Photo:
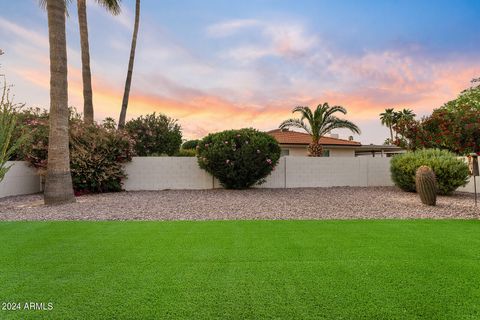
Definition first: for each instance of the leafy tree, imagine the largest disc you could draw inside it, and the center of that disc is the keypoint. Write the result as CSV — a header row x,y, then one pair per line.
x,y
155,135
318,123
455,126
190,144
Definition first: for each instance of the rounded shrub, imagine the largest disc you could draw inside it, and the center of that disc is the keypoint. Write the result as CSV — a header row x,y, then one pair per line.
x,y
239,159
155,135
451,172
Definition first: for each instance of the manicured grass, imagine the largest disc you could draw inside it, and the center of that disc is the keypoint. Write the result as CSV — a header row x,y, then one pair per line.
x,y
386,269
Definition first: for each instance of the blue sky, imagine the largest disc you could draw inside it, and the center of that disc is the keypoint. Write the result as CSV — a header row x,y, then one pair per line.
x,y
228,64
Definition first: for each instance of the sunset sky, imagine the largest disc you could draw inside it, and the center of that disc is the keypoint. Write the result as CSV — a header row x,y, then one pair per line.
x,y
221,64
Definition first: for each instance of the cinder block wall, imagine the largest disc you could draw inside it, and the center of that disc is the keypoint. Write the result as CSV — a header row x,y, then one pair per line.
x,y
158,173
20,179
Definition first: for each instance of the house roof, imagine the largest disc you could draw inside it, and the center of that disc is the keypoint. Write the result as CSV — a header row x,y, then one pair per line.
x,y
300,138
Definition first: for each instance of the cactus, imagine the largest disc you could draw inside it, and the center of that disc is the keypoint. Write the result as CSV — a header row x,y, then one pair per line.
x,y
426,185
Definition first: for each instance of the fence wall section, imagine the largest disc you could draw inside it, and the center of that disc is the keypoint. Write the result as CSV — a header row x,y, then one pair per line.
x,y
19,180
183,173
158,173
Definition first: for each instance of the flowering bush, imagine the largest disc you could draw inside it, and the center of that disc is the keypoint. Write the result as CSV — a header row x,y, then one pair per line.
x,y
239,159
155,135
450,171
97,152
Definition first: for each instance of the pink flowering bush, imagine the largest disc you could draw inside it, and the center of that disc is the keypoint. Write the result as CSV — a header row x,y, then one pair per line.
x,y
97,152
155,135
239,159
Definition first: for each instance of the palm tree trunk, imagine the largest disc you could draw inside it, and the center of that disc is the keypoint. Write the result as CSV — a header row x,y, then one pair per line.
x,y
58,187
128,82
86,73
391,134
315,149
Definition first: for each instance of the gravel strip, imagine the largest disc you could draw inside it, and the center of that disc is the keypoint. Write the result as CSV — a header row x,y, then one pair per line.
x,y
252,204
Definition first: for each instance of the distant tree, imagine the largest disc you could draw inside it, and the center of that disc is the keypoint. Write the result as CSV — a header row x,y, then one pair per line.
x,y
388,119
319,123
190,144
155,135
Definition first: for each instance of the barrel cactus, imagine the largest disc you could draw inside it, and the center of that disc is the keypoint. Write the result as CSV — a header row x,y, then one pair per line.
x,y
426,185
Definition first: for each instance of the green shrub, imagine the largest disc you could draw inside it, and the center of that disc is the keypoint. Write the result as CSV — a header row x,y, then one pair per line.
x,y
190,144
155,135
97,152
10,141
450,171
186,153
238,158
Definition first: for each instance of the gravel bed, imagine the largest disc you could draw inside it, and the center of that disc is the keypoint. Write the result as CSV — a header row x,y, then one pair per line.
x,y
220,204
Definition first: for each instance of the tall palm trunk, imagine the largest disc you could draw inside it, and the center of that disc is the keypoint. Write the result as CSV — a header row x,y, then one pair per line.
x,y
128,82
391,133
58,188
86,73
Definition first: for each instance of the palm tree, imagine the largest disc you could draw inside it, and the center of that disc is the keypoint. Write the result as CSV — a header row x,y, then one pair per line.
x,y
319,123
113,7
388,119
405,114
128,81
58,187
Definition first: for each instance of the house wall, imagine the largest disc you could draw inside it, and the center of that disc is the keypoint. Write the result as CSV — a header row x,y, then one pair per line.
x,y
19,180
341,152
302,151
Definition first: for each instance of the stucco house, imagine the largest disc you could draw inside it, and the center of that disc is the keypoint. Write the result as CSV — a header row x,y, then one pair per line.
x,y
294,143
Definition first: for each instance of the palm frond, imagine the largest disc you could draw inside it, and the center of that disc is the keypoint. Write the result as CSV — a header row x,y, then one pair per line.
x,y
112,6
336,123
295,123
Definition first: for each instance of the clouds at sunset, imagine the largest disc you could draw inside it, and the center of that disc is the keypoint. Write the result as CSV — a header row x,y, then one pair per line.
x,y
236,71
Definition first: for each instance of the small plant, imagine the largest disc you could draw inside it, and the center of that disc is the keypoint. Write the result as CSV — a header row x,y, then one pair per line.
x,y
426,185
9,142
239,159
155,135
450,171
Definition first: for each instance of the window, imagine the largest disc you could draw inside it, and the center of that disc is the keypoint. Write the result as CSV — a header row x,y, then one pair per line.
x,y
326,153
284,152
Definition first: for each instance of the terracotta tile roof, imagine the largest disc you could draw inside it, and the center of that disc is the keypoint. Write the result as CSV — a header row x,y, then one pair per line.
x,y
294,137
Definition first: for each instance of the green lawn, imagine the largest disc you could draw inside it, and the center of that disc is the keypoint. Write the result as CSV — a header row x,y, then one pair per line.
x,y
386,269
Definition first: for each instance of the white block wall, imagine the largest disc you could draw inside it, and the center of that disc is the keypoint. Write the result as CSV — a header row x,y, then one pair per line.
x,y
20,179
470,186
159,173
